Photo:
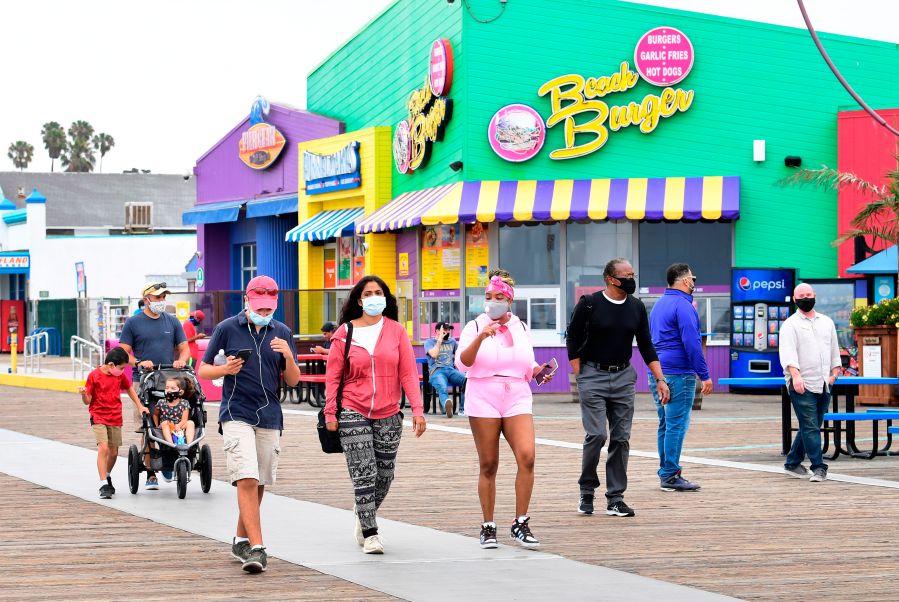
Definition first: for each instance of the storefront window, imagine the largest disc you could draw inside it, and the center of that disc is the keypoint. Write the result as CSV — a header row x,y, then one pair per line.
x,y
590,247
247,264
432,311
706,247
530,252
714,316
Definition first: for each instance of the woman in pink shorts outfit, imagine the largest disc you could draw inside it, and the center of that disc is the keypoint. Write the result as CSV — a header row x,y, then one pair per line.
x,y
495,350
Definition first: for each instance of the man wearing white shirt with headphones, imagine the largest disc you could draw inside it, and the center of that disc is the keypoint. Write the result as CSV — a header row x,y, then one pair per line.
x,y
259,348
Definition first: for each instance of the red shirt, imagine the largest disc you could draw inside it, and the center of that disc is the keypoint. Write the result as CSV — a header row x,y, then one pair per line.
x,y
106,402
191,331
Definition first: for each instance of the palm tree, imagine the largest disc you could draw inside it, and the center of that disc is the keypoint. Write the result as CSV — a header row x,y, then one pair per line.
x,y
54,137
80,130
79,156
878,219
103,143
21,153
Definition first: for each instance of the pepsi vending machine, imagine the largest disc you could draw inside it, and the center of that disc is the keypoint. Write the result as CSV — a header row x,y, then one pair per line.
x,y
760,301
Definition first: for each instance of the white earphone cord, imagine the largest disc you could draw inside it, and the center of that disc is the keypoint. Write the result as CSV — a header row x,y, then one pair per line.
x,y
261,383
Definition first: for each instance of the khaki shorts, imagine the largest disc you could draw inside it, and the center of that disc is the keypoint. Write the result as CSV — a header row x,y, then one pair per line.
x,y
111,435
251,452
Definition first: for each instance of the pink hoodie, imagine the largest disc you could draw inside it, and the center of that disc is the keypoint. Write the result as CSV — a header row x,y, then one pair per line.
x,y
374,382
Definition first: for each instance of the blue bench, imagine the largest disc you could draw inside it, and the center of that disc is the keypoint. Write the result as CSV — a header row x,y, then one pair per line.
x,y
874,416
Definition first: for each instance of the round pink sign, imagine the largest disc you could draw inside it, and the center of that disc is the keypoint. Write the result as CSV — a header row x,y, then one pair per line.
x,y
516,133
664,56
402,146
440,73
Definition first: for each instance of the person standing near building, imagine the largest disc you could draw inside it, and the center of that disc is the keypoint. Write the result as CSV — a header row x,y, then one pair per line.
x,y
496,350
381,366
250,417
151,338
190,326
810,357
676,336
600,335
442,373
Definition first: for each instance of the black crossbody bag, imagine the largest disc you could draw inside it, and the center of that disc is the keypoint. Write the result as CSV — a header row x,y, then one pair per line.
x,y
330,440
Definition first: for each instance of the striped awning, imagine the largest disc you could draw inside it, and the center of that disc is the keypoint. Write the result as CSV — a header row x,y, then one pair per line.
x,y
654,199
325,225
405,210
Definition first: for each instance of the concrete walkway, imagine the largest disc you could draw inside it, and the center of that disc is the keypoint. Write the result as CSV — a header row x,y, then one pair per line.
x,y
419,564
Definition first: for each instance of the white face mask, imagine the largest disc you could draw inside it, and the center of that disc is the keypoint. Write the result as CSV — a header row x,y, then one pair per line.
x,y
157,307
374,305
496,309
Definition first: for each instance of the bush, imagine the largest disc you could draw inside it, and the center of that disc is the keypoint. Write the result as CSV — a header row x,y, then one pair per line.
x,y
885,313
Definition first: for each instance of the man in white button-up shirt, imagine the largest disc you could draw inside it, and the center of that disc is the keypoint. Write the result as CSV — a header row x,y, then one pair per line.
x,y
810,356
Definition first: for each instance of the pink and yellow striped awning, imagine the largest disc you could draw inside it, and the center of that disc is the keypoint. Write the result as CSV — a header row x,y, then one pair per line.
x,y
654,199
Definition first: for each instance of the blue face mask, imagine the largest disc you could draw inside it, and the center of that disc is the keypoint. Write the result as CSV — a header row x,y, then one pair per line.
x,y
257,319
374,305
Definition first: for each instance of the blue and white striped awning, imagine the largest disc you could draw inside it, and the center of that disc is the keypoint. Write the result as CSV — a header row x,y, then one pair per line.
x,y
325,225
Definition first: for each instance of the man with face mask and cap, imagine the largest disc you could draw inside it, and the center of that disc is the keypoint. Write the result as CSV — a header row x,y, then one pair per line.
x,y
602,329
810,356
250,418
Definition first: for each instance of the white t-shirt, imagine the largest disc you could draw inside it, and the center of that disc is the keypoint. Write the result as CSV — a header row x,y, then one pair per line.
x,y
367,336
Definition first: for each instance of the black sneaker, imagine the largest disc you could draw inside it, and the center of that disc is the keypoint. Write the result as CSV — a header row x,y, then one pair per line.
x,y
521,532
620,509
488,536
240,550
256,560
109,482
586,505
105,492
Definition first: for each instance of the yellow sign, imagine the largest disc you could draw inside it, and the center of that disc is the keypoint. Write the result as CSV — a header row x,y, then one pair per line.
x,y
260,145
404,264
441,258
476,256
182,310
572,96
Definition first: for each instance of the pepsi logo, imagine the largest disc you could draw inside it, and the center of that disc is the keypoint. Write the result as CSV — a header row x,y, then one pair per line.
x,y
744,283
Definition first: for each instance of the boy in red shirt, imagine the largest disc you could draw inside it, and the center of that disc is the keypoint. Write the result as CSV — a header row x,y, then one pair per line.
x,y
102,396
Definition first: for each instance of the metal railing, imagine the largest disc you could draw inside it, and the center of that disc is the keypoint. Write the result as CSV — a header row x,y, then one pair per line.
x,y
36,346
83,354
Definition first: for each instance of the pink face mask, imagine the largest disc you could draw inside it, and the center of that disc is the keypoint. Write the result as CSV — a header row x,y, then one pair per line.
x,y
116,371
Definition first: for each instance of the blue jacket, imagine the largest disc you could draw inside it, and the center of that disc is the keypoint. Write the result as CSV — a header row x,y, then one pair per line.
x,y
674,325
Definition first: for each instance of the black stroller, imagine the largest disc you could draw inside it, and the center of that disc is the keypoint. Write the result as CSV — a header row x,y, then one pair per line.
x,y
164,456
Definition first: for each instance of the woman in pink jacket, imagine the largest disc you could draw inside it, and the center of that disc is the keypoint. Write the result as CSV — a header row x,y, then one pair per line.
x,y
495,349
381,364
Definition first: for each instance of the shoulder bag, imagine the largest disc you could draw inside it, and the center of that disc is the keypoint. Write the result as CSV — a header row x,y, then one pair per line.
x,y
330,440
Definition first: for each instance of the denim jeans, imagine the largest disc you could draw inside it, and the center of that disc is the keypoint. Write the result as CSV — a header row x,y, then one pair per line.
x,y
674,419
443,378
810,409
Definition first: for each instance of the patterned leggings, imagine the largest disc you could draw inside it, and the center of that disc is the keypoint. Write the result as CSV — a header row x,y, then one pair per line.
x,y
370,448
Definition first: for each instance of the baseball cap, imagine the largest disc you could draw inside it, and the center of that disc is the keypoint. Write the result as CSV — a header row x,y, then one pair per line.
x,y
198,315
444,325
154,288
262,293
328,327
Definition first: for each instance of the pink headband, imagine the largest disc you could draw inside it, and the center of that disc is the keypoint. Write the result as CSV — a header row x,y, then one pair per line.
x,y
498,285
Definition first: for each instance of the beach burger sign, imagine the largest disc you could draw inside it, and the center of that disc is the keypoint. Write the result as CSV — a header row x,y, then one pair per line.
x,y
260,145
428,111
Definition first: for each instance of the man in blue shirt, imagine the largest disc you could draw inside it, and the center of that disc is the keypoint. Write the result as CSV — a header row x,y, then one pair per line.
x,y
442,373
674,325
250,418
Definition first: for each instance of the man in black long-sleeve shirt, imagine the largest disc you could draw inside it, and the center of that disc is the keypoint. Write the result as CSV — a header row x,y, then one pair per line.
x,y
600,337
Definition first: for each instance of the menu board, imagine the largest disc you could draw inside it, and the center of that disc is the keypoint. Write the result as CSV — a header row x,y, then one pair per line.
x,y
476,256
441,258
345,261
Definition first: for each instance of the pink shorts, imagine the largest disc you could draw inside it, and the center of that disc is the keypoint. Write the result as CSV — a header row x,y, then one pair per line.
x,y
497,397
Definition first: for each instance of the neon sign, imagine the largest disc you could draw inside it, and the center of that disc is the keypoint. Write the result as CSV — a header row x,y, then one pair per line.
x,y
428,112
663,56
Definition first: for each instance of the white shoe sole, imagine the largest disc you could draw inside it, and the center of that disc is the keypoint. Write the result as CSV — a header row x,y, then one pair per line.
x,y
579,511
613,513
814,479
490,545
524,544
797,475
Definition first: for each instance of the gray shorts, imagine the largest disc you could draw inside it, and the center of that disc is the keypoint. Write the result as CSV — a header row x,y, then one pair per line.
x,y
251,452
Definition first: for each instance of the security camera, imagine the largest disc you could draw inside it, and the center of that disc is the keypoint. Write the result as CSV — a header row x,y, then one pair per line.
x,y
450,1
187,175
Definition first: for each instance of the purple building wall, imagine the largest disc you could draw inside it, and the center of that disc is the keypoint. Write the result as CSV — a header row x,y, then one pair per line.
x,y
222,176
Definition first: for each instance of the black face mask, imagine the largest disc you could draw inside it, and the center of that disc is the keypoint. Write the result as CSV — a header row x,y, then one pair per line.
x,y
628,285
806,304
172,395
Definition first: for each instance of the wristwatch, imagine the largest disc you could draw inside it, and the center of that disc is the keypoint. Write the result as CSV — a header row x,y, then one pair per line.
x,y
662,380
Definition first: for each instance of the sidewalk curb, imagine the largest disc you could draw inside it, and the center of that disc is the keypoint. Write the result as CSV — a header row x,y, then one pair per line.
x,y
46,383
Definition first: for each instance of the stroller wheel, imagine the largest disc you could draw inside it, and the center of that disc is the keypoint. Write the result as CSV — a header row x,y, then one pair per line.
x,y
205,468
133,468
182,474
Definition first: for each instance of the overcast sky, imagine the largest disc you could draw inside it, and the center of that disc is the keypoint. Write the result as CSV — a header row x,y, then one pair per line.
x,y
168,78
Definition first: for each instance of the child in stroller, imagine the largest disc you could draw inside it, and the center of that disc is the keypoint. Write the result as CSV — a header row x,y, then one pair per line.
x,y
172,414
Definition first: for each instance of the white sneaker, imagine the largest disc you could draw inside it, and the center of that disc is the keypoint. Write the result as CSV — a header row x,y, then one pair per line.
x,y
818,476
357,532
373,545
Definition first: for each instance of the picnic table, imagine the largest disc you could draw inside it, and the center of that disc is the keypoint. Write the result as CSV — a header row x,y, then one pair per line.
x,y
846,387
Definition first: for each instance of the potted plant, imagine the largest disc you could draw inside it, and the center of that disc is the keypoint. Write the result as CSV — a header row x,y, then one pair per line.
x,y
875,329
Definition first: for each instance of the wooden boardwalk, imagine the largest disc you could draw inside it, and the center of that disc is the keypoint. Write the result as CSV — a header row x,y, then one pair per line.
x,y
747,534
